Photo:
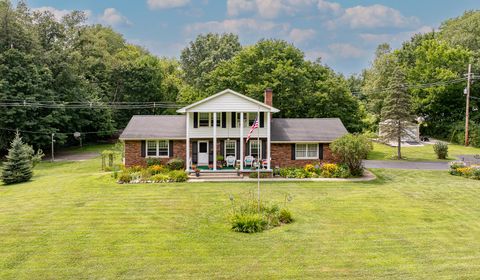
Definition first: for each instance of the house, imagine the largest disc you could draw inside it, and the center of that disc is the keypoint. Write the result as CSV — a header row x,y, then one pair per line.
x,y
410,134
219,125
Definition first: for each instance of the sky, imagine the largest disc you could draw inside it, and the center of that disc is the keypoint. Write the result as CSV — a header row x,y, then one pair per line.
x,y
343,33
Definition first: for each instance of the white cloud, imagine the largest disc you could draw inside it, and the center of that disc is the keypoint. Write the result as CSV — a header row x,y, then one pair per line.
x,y
268,9
374,16
345,50
59,14
301,35
238,26
325,6
235,7
113,17
393,38
166,4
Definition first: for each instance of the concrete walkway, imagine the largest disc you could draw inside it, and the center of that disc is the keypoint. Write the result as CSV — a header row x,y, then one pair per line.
x,y
406,165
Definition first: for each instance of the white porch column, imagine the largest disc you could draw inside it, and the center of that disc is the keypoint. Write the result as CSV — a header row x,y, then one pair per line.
x,y
187,141
268,141
241,141
215,141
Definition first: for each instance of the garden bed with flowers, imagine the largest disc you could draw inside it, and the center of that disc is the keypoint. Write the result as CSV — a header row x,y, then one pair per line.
x,y
460,168
155,172
320,170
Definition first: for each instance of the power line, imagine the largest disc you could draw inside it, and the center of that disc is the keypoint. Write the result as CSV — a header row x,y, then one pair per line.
x,y
61,133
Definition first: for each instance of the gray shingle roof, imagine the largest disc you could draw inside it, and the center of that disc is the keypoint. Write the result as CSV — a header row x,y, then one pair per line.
x,y
283,130
308,129
155,127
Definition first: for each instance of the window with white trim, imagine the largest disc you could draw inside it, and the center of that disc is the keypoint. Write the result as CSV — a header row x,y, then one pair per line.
x,y
251,118
306,151
158,148
255,148
203,119
219,119
230,148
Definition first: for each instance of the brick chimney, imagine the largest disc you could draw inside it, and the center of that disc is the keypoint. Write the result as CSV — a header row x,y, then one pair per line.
x,y
268,97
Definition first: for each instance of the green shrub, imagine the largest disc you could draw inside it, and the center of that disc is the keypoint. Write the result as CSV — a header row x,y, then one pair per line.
x,y
153,161
475,174
342,171
441,149
145,174
454,166
161,178
124,177
352,150
262,175
285,216
248,223
176,164
178,176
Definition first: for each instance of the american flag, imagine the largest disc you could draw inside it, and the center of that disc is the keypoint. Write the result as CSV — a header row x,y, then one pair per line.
x,y
254,126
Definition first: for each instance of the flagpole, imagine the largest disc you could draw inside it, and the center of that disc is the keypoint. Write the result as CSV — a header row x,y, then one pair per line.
x,y
259,157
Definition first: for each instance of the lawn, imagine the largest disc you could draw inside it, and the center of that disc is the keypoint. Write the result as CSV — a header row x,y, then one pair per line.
x,y
422,153
72,221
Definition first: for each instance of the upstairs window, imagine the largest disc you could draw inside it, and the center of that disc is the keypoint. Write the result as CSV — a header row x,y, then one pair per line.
x,y
203,119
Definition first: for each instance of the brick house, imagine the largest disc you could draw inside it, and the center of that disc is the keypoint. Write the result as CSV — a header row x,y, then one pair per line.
x,y
219,126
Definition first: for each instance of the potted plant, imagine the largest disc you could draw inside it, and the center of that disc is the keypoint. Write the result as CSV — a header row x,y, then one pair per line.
x,y
238,170
197,172
219,161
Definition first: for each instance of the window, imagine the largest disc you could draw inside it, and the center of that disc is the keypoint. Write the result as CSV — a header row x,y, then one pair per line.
x,y
219,119
158,148
203,119
306,151
230,148
251,118
255,148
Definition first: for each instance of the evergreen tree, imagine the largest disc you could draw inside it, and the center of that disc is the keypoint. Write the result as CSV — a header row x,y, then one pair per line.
x,y
18,167
396,111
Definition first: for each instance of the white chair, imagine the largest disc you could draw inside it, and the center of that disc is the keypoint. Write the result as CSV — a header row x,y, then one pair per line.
x,y
230,161
249,161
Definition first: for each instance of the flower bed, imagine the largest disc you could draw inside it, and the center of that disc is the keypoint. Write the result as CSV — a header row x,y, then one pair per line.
x,y
459,168
325,170
154,173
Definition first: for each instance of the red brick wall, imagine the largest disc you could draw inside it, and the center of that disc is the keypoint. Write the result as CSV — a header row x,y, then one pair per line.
x,y
133,155
282,156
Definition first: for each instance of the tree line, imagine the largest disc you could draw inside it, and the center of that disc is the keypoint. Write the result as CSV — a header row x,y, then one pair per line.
x,y
49,60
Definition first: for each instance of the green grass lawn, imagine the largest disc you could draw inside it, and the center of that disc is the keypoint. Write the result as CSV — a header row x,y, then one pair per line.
x,y
74,222
423,153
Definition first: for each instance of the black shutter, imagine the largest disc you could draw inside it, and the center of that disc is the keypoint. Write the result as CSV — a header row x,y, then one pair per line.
x,y
264,148
224,119
194,152
143,148
210,152
170,148
238,149
234,119
195,119
222,148
262,119
320,151
247,148
293,151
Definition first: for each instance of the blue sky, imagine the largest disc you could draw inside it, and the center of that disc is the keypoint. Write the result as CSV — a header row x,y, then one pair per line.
x,y
344,33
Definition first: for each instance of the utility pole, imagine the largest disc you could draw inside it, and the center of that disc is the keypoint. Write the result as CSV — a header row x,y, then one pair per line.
x,y
467,109
53,141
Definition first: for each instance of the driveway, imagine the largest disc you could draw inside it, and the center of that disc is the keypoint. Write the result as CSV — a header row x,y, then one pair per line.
x,y
65,156
406,165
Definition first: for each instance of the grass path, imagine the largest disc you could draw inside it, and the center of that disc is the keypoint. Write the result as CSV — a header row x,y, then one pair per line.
x,y
423,153
73,223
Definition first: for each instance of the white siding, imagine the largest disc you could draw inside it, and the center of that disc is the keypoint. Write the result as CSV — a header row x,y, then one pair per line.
x,y
207,132
228,102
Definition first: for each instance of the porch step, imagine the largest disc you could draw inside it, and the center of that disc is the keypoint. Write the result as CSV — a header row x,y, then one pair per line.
x,y
213,176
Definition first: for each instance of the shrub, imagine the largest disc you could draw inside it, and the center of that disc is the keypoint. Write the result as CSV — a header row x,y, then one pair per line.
x,y
262,175
20,161
352,150
309,168
441,149
135,168
475,174
145,174
124,177
178,176
248,223
153,161
465,171
160,178
157,168
176,164
454,166
342,171
285,216
328,170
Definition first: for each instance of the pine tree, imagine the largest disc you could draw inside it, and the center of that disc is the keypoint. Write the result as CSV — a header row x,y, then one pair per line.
x,y
396,111
18,167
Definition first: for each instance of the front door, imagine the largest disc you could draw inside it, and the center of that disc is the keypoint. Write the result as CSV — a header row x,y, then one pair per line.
x,y
203,153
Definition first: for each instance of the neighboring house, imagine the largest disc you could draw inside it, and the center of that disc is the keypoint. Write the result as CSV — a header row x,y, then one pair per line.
x,y
410,135
219,125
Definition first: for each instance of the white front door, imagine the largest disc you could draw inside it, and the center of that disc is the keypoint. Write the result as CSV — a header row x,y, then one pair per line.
x,y
202,152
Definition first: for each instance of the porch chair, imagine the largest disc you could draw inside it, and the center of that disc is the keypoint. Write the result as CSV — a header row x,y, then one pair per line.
x,y
264,163
230,161
249,161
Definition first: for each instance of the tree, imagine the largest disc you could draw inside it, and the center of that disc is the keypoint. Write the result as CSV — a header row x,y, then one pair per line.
x,y
18,166
204,54
351,150
396,111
